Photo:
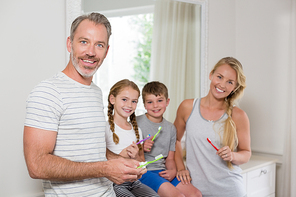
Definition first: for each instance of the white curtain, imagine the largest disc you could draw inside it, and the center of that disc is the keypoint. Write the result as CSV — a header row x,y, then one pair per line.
x,y
289,159
175,58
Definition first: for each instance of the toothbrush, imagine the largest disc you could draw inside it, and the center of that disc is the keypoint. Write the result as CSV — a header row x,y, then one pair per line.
x,y
212,144
148,136
159,128
143,164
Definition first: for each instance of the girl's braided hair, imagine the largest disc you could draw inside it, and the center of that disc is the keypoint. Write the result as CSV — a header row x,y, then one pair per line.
x,y
115,90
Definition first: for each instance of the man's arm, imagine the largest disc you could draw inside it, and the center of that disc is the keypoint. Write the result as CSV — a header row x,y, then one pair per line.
x,y
42,164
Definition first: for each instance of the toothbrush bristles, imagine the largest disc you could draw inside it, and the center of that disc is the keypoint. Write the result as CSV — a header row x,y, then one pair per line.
x,y
159,156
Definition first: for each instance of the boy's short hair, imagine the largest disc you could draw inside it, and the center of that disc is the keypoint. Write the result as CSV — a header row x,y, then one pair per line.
x,y
156,88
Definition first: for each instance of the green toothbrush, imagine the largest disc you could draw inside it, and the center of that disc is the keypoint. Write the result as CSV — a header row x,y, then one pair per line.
x,y
143,164
159,128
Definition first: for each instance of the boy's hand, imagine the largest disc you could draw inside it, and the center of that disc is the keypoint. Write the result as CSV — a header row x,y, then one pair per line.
x,y
168,174
132,151
148,144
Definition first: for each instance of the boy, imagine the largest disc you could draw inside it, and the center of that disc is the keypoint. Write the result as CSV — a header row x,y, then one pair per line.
x,y
161,175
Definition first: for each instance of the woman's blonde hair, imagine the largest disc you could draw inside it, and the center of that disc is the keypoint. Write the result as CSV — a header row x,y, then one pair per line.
x,y
230,136
115,90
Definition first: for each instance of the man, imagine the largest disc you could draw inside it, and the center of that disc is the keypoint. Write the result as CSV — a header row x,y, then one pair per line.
x,y
64,133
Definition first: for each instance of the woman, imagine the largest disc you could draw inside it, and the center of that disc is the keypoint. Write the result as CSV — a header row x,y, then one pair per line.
x,y
215,116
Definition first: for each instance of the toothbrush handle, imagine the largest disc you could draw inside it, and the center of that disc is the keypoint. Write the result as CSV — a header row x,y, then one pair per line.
x,y
155,135
212,144
143,140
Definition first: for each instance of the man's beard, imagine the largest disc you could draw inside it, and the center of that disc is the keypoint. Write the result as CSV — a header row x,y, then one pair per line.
x,y
76,65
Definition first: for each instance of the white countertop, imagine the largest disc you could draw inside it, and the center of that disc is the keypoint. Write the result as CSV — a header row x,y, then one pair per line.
x,y
256,162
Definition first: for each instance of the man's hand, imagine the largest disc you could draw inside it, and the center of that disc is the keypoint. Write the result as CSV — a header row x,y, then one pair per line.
x,y
123,170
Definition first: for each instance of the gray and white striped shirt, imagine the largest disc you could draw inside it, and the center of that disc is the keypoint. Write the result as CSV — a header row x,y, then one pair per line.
x,y
75,112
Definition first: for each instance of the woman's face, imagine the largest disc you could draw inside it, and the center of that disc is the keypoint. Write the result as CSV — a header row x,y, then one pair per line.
x,y
223,81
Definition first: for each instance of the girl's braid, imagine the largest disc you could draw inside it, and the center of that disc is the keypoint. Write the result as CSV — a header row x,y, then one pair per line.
x,y
135,126
111,122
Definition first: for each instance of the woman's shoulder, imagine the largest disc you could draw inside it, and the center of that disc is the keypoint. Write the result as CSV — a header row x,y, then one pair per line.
x,y
239,114
187,103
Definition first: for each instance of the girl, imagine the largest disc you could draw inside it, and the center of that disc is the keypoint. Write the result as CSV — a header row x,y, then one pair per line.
x,y
216,117
122,133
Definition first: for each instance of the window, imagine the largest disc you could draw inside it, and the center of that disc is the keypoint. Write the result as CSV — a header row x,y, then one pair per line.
x,y
129,54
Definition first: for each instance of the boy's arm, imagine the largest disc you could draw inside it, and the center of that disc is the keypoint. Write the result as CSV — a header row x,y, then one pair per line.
x,y
170,161
171,170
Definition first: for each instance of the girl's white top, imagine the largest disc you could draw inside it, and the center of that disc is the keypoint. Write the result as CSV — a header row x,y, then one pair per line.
x,y
126,138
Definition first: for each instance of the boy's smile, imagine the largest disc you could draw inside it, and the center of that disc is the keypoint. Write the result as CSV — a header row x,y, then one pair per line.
x,y
155,106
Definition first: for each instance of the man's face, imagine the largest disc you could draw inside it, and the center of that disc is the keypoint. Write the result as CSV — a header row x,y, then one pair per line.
x,y
88,48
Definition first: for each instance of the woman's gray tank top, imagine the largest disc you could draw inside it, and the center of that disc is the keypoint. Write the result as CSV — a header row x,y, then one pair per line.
x,y
208,171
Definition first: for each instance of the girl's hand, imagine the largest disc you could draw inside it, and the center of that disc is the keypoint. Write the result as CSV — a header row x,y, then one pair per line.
x,y
148,144
133,151
183,176
168,174
225,153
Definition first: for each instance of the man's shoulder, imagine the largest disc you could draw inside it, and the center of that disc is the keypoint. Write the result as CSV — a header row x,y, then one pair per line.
x,y
57,78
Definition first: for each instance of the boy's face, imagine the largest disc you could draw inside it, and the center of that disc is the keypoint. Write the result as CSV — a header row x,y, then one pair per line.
x,y
155,106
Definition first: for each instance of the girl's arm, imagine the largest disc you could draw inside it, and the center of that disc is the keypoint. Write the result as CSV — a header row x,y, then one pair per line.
x,y
111,155
133,152
183,113
141,154
243,153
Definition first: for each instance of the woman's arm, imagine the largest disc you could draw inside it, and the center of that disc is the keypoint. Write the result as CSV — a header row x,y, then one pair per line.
x,y
242,123
243,153
183,113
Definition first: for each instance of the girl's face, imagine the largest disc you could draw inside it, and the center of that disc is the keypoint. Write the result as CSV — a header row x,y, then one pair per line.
x,y
223,81
125,103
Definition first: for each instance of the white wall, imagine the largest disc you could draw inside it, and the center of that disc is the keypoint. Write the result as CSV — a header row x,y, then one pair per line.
x,y
32,48
262,44
257,34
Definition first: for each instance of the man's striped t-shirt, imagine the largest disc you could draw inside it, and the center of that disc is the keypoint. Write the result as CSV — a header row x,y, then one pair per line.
x,y
75,112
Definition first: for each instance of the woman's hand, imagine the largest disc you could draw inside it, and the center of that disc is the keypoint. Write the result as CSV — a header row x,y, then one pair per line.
x,y
183,176
225,153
